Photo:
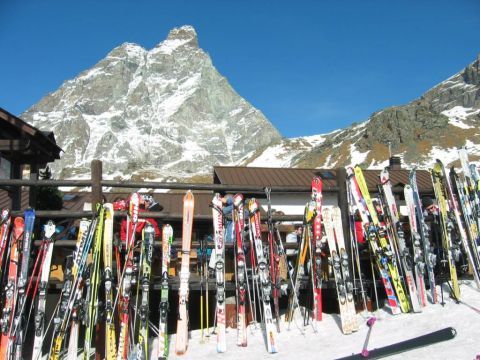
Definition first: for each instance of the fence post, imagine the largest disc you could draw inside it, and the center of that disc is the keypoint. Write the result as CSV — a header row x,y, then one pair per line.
x,y
32,192
96,171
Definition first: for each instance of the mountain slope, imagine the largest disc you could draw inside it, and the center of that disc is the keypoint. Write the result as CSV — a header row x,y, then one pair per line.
x,y
164,113
433,126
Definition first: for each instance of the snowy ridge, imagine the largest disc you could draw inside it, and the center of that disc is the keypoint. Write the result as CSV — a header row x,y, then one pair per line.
x,y
418,132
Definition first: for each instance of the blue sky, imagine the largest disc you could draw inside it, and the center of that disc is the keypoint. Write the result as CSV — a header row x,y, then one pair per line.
x,y
309,66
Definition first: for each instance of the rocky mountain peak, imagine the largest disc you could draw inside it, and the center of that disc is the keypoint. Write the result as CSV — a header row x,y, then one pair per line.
x,y
164,113
186,35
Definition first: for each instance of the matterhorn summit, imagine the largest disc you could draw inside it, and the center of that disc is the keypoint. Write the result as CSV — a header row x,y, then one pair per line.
x,y
163,113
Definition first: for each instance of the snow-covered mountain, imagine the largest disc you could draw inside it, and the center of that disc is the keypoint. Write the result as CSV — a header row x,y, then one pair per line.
x,y
163,113
166,113
433,126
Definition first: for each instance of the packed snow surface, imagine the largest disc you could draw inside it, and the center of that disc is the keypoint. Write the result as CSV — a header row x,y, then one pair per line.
x,y
328,342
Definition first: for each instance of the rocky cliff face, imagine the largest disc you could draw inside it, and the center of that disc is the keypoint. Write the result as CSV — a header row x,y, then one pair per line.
x,y
433,126
159,113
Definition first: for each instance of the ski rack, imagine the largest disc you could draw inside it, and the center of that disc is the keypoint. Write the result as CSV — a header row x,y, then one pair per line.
x,y
96,183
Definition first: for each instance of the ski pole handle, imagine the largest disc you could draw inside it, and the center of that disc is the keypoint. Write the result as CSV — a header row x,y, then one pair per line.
x,y
371,321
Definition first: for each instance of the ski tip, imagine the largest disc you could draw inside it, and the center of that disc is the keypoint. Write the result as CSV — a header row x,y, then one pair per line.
x,y
453,331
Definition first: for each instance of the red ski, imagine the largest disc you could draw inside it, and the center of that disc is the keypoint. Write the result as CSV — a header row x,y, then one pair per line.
x,y
317,242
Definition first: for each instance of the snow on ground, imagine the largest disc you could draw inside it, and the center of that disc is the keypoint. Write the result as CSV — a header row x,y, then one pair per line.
x,y
457,114
329,343
274,156
447,156
356,156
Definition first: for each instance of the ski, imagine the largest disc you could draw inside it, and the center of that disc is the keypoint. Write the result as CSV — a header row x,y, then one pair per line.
x,y
144,310
316,247
262,269
396,231
239,223
351,313
167,238
218,233
407,345
126,285
49,231
379,233
19,326
445,223
92,298
273,260
469,234
299,270
423,232
10,292
181,343
59,320
418,256
378,255
110,335
337,270
78,311
5,220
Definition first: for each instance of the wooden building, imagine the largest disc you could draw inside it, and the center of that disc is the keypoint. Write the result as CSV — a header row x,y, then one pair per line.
x,y
22,144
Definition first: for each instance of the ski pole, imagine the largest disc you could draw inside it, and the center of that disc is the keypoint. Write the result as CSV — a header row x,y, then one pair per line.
x,y
206,270
370,323
374,281
201,288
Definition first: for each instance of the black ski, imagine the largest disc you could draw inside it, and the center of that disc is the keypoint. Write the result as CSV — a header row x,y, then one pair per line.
x,y
410,344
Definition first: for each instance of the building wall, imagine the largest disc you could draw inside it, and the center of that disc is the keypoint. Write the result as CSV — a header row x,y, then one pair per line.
x,y
294,203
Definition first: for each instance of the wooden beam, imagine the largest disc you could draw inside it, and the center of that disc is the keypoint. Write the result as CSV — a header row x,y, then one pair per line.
x,y
14,145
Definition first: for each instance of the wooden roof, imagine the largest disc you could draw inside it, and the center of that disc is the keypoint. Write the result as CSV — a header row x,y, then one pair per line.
x,y
262,176
22,143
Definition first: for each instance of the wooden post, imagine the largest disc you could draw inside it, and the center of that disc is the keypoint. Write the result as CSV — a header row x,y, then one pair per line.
x,y
96,169
32,193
